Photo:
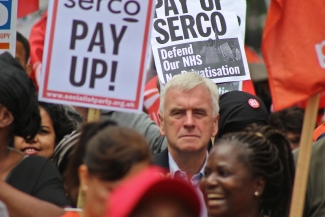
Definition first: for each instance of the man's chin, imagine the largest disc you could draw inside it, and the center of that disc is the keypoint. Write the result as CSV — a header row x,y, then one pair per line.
x,y
191,147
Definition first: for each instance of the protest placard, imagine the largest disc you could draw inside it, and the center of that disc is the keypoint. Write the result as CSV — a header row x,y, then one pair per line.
x,y
95,53
238,6
192,36
8,19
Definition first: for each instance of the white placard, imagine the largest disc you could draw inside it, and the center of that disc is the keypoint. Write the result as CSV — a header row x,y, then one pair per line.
x,y
193,36
238,6
8,19
97,53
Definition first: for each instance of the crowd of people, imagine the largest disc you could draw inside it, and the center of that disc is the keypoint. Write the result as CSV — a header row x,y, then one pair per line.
x,y
211,155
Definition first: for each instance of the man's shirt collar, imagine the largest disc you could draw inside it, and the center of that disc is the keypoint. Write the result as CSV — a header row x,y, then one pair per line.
x,y
176,171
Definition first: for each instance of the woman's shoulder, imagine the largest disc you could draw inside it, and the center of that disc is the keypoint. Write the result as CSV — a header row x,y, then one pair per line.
x,y
34,167
37,176
35,164
34,159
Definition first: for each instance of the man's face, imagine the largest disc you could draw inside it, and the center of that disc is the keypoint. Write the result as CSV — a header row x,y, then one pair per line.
x,y
188,121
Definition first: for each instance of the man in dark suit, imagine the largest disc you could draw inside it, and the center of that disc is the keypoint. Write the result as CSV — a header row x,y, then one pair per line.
x,y
189,114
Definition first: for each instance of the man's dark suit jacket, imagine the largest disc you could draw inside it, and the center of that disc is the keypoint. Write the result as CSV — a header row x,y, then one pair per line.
x,y
161,159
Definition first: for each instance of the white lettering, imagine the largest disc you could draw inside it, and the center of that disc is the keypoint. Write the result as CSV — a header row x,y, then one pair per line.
x,y
163,53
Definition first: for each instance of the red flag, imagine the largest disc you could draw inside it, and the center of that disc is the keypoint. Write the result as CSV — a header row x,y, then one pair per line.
x,y
321,105
252,56
36,40
152,99
248,87
26,7
294,50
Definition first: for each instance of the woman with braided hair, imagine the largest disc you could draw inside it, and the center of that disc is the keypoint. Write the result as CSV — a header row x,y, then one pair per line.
x,y
249,174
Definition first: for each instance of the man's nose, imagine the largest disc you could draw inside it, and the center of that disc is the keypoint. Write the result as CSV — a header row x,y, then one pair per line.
x,y
189,122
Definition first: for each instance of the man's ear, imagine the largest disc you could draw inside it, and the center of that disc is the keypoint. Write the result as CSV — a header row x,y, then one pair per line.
x,y
83,177
6,117
161,125
215,126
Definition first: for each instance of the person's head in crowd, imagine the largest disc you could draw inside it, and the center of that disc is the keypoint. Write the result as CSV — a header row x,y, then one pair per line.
x,y
23,52
249,173
239,109
149,194
319,132
55,125
105,155
19,111
189,114
289,121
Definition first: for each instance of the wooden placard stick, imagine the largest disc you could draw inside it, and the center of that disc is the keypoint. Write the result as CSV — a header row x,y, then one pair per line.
x,y
93,116
302,168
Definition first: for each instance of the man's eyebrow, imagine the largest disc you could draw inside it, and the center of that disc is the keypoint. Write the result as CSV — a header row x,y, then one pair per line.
x,y
200,109
176,109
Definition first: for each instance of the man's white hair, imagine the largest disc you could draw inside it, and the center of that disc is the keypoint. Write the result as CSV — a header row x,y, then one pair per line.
x,y
188,81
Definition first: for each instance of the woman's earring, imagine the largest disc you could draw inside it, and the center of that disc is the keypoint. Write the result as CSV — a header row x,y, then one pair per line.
x,y
256,193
